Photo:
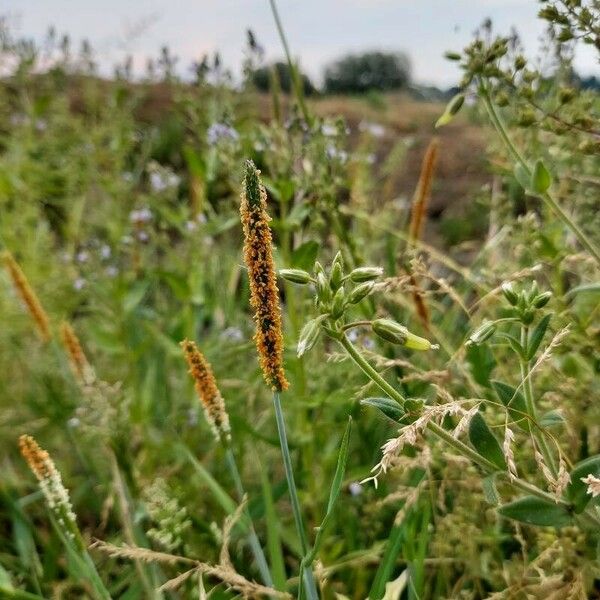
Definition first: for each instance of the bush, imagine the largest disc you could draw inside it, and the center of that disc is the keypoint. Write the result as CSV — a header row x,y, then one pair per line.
x,y
358,73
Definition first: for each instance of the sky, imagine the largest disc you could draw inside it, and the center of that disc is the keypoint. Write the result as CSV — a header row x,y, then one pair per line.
x,y
318,30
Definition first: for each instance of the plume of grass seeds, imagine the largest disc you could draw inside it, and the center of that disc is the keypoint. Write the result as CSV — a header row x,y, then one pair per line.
x,y
207,390
258,257
59,503
55,493
78,361
29,297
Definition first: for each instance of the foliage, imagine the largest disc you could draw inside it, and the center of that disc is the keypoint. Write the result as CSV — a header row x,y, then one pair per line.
x,y
358,73
467,366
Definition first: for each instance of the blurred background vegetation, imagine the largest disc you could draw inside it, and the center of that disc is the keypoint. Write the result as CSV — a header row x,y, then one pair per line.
x,y
119,198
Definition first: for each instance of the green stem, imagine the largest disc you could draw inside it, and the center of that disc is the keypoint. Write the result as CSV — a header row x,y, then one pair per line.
x,y
296,80
546,197
255,547
309,581
440,432
530,404
17,594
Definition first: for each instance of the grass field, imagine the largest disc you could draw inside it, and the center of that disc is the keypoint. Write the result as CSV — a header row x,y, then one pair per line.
x,y
268,346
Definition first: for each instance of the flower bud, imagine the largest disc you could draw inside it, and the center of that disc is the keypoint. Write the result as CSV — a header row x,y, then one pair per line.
x,y
338,304
542,299
365,274
527,316
295,275
323,289
482,333
509,293
398,334
309,335
337,272
360,292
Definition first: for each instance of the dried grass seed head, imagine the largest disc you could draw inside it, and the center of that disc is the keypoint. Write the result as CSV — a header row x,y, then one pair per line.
x,y
206,388
264,294
29,297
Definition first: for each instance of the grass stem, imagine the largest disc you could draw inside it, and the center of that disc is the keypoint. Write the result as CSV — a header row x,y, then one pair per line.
x,y
309,581
253,542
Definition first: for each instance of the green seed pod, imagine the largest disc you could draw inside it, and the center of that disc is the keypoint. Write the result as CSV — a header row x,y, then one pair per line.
x,y
360,292
390,330
566,94
452,108
365,274
520,62
309,335
398,334
319,268
541,179
323,289
542,299
337,272
452,56
338,304
295,276
484,332
509,293
415,342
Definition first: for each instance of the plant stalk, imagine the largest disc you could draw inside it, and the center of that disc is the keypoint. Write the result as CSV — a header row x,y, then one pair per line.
x,y
545,196
253,542
308,578
530,403
440,432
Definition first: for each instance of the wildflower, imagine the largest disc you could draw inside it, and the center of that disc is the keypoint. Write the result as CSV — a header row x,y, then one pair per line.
x,y
233,334
334,153
374,129
82,256
162,179
329,130
55,493
143,215
79,284
80,366
218,132
105,252
206,388
263,284
355,489
593,484
25,291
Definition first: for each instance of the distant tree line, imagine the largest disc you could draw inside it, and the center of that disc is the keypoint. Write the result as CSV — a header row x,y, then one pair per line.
x,y
351,74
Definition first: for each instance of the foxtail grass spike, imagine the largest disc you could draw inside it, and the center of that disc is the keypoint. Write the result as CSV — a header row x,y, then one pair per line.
x,y
29,297
421,197
207,390
55,493
78,361
258,256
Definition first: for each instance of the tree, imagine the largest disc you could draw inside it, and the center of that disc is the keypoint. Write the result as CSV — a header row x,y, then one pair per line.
x,y
357,73
262,78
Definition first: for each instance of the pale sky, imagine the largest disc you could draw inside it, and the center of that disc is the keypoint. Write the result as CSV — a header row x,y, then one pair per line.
x,y
318,30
